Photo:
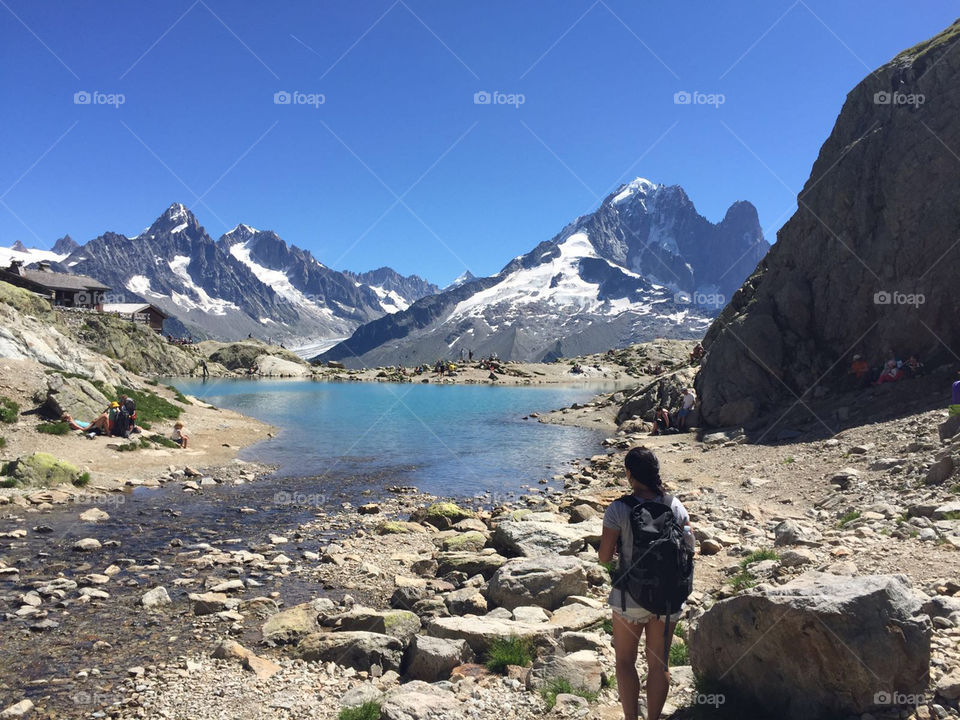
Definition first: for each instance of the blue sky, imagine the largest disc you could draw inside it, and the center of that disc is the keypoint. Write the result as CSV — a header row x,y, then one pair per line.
x,y
399,165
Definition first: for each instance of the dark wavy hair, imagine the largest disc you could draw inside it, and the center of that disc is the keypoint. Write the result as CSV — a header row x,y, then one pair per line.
x,y
644,468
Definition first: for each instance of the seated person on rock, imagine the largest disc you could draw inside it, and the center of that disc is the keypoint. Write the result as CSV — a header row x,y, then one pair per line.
x,y
860,371
912,367
661,421
891,373
130,406
180,436
74,424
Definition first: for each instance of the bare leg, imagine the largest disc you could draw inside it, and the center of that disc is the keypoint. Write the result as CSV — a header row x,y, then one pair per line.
x,y
658,677
626,638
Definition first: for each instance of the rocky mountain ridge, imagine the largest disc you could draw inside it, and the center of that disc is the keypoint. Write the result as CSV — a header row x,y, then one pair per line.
x,y
643,265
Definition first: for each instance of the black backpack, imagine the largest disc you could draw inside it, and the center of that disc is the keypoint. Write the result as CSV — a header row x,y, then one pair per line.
x,y
660,575
121,423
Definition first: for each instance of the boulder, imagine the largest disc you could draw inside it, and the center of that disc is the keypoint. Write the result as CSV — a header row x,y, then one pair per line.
x,y
577,616
401,624
940,471
468,600
821,645
469,563
41,470
472,541
432,658
546,582
208,603
479,632
75,396
397,527
535,538
155,598
263,668
418,700
442,515
949,427
292,624
94,515
581,669
272,366
358,649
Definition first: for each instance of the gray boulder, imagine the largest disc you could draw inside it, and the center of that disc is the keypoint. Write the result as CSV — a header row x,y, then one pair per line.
x,y
431,659
471,563
418,700
821,645
546,582
480,632
401,624
295,623
359,650
581,669
76,396
531,538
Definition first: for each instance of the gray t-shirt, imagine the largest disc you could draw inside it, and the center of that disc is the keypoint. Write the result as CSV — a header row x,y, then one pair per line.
x,y
617,517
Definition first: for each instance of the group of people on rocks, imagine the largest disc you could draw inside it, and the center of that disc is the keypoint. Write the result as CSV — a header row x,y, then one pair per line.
x,y
119,420
892,369
678,421
180,340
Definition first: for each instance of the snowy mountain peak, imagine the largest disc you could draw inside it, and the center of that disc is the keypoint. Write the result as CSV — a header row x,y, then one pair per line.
x,y
639,187
464,277
240,234
19,247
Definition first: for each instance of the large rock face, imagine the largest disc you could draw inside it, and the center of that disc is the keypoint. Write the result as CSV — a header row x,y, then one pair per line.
x,y
876,228
819,646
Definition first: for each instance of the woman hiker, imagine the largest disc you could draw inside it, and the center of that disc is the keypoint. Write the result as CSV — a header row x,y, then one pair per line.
x,y
630,620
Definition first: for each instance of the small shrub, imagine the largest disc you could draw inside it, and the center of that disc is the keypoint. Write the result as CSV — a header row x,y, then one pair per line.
x,y
53,428
954,489
787,460
559,686
128,447
367,711
144,425
153,383
607,626
150,406
3,443
951,516
743,580
680,631
82,479
679,654
758,556
848,518
8,482
9,410
508,651
954,410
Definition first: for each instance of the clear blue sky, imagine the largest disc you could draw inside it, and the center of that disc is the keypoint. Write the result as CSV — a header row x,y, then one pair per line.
x,y
398,79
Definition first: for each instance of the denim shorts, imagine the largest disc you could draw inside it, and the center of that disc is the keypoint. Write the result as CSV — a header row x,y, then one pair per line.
x,y
641,616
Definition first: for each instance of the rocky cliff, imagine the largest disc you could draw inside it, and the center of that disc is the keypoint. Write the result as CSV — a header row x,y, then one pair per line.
x,y
868,262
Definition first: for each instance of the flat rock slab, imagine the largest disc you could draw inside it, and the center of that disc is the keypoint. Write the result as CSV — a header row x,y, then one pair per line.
x,y
480,632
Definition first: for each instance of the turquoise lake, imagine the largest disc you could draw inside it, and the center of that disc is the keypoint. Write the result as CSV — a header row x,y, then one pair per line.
x,y
454,440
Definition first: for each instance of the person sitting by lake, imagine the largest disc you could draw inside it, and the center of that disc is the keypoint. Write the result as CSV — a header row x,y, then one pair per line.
x,y
891,373
179,436
127,403
630,619
74,424
912,367
697,353
687,404
661,421
860,370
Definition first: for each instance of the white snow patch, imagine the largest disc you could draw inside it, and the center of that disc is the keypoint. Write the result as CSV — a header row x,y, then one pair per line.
x,y
390,300
640,184
215,306
32,255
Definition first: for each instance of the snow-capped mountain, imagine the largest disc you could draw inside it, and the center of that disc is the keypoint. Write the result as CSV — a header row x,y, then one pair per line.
x,y
461,279
396,292
18,251
645,264
248,282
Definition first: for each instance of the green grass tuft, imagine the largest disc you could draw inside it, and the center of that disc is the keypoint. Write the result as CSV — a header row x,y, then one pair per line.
x,y
9,410
367,711
3,442
758,556
180,397
679,654
680,631
53,428
560,686
743,580
82,479
508,651
848,518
